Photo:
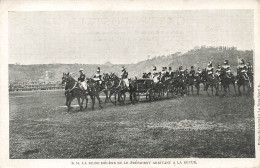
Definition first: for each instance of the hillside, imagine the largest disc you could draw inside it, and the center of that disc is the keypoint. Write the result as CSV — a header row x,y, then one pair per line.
x,y
197,57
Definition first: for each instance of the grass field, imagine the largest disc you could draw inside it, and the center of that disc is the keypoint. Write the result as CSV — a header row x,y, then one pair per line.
x,y
192,126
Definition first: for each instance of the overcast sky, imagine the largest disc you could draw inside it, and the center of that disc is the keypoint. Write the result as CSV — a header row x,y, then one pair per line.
x,y
95,37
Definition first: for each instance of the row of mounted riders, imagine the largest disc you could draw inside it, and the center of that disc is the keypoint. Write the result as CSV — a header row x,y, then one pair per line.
x,y
165,85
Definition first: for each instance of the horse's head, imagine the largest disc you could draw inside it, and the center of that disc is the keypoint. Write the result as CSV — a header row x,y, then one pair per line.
x,y
65,78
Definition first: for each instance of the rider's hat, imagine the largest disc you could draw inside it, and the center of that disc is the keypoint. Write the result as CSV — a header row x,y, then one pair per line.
x,y
242,61
210,63
226,62
154,68
191,67
170,68
98,69
80,70
123,68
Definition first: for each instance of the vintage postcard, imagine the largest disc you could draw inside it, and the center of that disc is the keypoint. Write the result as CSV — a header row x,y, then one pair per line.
x,y
130,84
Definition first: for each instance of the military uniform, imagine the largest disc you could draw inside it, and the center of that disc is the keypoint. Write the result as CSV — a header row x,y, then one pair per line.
x,y
192,73
81,79
124,77
155,75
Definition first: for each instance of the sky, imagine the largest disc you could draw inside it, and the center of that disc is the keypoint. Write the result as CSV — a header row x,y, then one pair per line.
x,y
122,37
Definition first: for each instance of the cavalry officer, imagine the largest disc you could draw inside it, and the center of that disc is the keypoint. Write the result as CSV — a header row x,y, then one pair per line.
x,y
155,75
81,80
192,72
219,68
210,69
124,77
199,72
98,77
249,68
226,65
170,72
181,71
163,71
242,68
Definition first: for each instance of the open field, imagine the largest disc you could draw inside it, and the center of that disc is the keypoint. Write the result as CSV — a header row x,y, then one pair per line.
x,y
192,126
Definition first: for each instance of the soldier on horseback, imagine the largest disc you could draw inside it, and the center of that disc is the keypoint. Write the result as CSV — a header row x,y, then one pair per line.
x,y
192,72
181,71
198,73
242,69
155,75
249,69
98,77
81,80
124,77
210,69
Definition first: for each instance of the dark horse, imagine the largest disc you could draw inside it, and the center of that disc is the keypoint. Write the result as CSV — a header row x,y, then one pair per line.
x,y
227,80
210,81
118,89
243,80
73,90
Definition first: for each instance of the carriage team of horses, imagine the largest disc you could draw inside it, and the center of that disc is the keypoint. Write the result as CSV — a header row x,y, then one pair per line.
x,y
168,86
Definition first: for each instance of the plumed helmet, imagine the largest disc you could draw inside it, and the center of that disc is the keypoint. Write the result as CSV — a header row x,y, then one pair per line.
x,y
98,69
154,68
210,63
80,70
226,62
123,68
242,61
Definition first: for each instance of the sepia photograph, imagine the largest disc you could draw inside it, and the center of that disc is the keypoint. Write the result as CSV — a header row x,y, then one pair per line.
x,y
131,84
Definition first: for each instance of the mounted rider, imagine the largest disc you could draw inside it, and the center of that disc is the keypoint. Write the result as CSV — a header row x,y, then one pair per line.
x,y
192,72
98,77
171,73
198,73
210,69
81,80
249,69
181,71
227,69
218,70
242,69
124,77
155,75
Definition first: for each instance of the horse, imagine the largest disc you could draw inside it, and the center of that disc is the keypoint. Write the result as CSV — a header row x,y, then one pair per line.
x,y
243,80
72,91
210,81
226,80
181,86
93,91
197,81
190,83
119,89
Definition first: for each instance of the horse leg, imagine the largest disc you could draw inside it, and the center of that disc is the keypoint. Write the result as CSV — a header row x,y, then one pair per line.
x,y
80,107
198,89
192,89
212,89
69,105
93,102
86,103
238,88
99,101
234,85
